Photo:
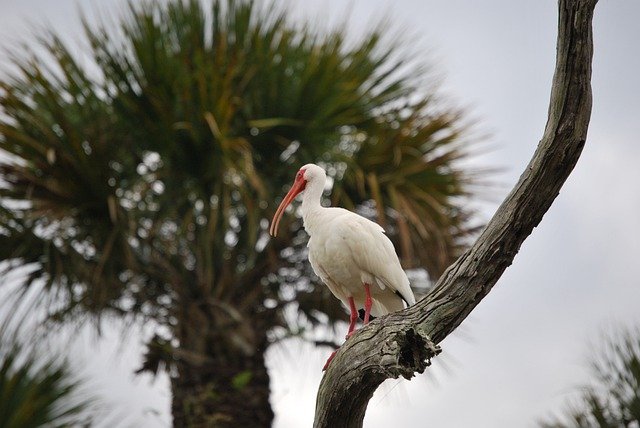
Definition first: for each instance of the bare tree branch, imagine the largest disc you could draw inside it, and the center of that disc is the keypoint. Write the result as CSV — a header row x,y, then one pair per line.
x,y
402,343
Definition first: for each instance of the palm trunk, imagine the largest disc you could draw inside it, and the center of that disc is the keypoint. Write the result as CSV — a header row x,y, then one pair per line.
x,y
221,378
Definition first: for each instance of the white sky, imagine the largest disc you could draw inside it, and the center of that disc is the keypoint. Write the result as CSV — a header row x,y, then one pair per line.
x,y
522,351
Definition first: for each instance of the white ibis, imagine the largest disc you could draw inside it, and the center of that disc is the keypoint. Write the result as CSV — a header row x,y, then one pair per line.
x,y
350,253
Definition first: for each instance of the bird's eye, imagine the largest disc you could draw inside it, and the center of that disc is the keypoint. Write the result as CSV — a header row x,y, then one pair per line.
x,y
299,175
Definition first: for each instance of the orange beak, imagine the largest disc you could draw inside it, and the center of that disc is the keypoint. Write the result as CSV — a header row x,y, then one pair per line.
x,y
298,186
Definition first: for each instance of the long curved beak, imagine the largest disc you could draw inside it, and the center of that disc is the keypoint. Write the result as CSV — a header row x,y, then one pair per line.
x,y
298,186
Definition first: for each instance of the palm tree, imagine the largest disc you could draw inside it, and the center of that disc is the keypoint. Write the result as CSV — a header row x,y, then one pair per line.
x,y
142,172
613,399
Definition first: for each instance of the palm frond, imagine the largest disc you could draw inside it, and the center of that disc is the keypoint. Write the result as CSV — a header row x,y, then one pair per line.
x,y
36,390
613,397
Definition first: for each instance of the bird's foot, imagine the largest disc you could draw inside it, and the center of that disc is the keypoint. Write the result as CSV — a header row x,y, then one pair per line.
x,y
351,333
333,354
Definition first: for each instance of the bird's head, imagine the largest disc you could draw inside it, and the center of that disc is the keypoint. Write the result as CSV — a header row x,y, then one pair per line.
x,y
310,173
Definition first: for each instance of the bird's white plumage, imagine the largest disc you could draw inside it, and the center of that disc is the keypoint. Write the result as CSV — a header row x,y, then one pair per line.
x,y
347,250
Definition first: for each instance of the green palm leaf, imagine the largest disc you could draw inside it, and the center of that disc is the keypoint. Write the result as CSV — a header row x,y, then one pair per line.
x,y
612,399
38,390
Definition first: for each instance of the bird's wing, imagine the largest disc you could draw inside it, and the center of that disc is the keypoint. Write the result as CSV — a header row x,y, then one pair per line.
x,y
335,289
373,252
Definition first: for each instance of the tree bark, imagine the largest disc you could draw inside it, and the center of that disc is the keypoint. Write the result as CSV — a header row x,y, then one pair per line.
x,y
402,343
221,379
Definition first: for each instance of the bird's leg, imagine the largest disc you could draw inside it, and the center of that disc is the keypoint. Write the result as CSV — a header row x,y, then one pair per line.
x,y
367,303
333,354
354,317
352,326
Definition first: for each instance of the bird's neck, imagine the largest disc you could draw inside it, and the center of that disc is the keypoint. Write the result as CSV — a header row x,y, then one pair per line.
x,y
311,207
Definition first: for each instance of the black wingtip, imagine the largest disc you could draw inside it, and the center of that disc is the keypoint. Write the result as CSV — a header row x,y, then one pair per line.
x,y
403,299
361,315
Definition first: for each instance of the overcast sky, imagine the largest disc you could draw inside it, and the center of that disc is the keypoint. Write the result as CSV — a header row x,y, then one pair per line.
x,y
524,349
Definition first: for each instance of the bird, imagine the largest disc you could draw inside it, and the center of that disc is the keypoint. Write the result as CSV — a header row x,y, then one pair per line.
x,y
351,254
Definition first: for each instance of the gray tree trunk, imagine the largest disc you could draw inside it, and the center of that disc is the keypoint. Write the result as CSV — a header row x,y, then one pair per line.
x,y
402,343
218,384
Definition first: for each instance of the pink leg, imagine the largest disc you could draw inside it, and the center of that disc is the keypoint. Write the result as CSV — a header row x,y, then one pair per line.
x,y
333,354
354,317
367,303
352,326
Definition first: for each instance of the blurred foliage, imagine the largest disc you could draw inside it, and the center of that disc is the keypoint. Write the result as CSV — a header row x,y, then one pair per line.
x,y
38,390
143,169
613,398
